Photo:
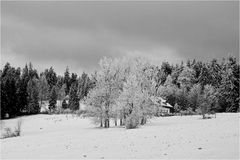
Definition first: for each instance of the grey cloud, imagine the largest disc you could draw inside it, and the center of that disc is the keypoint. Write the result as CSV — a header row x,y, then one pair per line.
x,y
81,33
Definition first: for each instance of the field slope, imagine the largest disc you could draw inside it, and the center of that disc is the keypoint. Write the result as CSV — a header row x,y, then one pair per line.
x,y
59,136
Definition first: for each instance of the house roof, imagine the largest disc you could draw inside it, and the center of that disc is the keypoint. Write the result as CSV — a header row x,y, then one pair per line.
x,y
161,101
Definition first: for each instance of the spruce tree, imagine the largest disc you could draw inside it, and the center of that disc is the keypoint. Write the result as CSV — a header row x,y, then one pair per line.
x,y
8,92
33,97
43,88
73,97
67,81
53,99
229,88
51,77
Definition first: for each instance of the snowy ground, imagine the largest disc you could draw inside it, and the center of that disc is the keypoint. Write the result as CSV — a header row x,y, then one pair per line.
x,y
56,136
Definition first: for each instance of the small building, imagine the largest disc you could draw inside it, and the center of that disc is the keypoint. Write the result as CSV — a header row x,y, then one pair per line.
x,y
162,106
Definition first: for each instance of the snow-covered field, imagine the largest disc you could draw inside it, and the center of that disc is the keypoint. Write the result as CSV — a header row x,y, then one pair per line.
x,y
58,136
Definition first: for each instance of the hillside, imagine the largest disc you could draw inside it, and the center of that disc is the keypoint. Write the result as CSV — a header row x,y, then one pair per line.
x,y
62,136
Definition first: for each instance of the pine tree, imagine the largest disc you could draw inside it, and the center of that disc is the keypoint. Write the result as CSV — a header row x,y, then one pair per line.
x,y
229,88
215,73
43,88
33,96
61,93
53,99
51,78
204,77
73,97
67,80
32,72
83,86
24,83
18,90
9,78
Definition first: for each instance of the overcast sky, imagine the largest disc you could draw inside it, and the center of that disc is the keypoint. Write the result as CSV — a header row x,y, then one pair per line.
x,y
78,34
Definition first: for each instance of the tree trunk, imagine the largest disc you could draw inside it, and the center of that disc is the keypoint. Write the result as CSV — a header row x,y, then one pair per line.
x,y
121,122
101,124
203,116
124,119
41,102
105,123
142,121
115,121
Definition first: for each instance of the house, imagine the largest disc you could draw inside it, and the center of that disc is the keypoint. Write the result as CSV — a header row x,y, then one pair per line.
x,y
162,106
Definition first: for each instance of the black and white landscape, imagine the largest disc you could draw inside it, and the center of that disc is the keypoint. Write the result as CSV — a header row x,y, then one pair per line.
x,y
119,80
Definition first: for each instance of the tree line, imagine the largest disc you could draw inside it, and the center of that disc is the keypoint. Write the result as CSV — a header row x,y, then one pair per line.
x,y
128,88
23,91
125,89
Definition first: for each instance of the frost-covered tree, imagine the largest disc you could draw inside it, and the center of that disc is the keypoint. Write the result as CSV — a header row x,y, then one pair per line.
x,y
229,88
95,101
194,96
130,101
208,102
106,84
187,78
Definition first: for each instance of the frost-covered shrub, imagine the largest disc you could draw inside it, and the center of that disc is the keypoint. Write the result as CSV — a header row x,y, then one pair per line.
x,y
132,121
17,132
18,127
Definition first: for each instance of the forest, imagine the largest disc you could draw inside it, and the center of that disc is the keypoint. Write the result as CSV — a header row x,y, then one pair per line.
x,y
124,89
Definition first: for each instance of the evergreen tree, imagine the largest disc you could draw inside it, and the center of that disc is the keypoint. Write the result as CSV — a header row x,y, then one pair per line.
x,y
73,97
33,96
215,73
18,90
9,100
53,99
67,81
83,86
61,93
204,77
32,72
51,77
197,67
229,88
43,88
73,78
23,96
